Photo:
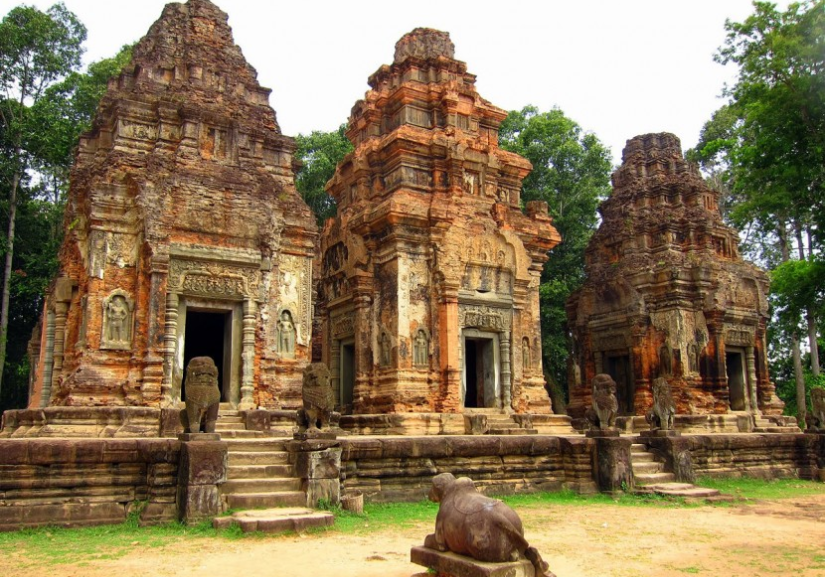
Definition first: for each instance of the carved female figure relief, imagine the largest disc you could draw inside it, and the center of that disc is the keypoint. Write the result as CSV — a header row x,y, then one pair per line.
x,y
420,348
286,335
117,321
525,355
385,346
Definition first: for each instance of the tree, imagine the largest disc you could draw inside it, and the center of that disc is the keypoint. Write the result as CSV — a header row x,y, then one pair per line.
x,y
571,172
36,50
320,153
770,141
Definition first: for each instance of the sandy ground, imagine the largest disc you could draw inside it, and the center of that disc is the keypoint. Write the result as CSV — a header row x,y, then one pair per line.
x,y
767,538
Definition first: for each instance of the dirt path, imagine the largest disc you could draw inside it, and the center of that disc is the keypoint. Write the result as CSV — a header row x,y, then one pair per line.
x,y
775,538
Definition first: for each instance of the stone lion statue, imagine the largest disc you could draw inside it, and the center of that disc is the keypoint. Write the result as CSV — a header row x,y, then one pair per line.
x,y
319,400
816,418
203,396
660,416
605,407
469,523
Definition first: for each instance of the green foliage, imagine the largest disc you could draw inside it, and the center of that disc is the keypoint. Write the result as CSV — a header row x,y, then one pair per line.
x,y
798,286
571,172
320,152
45,104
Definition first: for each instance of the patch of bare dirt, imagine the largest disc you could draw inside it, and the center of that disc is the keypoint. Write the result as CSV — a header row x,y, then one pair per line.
x,y
768,538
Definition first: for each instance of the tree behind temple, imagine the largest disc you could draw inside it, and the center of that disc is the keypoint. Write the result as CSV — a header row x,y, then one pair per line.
x,y
37,49
571,172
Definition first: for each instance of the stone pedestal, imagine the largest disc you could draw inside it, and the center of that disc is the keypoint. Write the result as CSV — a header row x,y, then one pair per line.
x,y
447,564
203,460
318,463
614,471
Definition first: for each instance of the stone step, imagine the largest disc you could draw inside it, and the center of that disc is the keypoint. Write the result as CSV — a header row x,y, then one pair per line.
x,y
257,486
265,500
649,478
776,429
646,467
229,424
258,458
685,490
642,457
638,448
257,445
239,434
258,471
512,431
277,520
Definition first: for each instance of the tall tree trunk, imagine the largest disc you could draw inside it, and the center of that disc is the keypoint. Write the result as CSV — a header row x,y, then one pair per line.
x,y
813,328
799,375
4,307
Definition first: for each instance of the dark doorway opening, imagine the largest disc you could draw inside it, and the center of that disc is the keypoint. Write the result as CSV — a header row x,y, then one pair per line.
x,y
736,380
471,378
347,377
618,367
206,337
479,373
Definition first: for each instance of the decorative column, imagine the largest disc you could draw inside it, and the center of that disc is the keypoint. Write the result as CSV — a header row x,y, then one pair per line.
x,y
450,346
248,355
750,364
61,309
363,364
48,361
335,369
506,378
170,341
154,370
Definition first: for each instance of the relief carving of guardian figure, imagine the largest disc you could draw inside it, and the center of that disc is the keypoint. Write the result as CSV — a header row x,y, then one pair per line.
x,y
116,334
286,335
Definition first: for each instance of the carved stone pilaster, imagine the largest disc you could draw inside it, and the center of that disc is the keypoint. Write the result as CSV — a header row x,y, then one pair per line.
x,y
506,378
248,355
750,364
170,340
48,361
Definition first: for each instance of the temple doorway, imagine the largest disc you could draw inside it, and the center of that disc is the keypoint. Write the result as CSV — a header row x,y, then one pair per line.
x,y
347,377
619,368
208,333
480,375
735,366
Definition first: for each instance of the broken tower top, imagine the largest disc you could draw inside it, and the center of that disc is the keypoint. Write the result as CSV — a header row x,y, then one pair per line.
x,y
424,43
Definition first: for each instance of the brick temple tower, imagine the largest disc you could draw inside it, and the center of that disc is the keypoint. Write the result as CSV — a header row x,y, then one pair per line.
x,y
668,295
185,234
430,270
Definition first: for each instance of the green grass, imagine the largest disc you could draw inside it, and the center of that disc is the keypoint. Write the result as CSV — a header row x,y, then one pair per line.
x,y
747,488
53,545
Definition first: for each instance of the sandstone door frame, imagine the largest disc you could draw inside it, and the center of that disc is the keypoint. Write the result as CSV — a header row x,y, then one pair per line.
x,y
491,365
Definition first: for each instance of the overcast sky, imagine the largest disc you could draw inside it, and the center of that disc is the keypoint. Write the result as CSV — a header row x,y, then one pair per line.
x,y
619,68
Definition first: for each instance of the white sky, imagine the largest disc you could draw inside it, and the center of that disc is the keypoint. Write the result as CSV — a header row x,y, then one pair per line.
x,y
619,68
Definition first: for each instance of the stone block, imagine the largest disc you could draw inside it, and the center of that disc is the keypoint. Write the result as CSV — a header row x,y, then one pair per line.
x,y
197,503
324,464
614,470
257,420
202,463
451,565
323,491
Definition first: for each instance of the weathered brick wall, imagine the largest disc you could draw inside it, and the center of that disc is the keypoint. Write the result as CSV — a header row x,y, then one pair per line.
x,y
401,469
86,481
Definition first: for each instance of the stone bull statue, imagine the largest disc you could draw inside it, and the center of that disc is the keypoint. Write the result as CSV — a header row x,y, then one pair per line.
x,y
203,396
469,523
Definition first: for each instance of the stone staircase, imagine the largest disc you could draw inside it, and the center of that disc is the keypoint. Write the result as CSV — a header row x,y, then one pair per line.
x,y
646,469
259,475
775,425
504,424
651,478
230,425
